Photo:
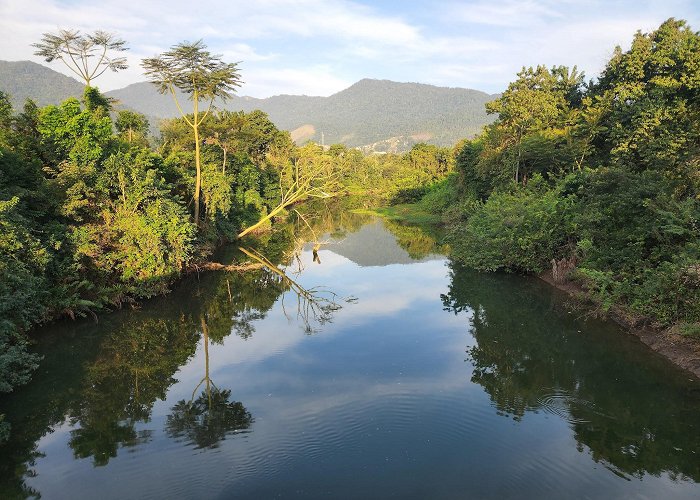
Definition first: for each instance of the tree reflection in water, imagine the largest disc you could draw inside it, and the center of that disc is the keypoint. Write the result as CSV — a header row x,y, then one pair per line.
x,y
531,358
105,381
211,417
134,368
208,419
314,305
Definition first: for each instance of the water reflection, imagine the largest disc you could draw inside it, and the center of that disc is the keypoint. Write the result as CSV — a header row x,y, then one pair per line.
x,y
103,380
387,388
314,306
420,243
134,368
211,417
208,419
529,360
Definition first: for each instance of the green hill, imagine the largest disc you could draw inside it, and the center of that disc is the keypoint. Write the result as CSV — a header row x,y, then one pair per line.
x,y
23,79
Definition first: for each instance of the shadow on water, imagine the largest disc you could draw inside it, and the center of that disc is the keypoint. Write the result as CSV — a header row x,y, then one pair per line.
x,y
627,406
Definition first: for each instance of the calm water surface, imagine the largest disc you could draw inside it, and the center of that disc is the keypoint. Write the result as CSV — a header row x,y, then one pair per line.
x,y
382,371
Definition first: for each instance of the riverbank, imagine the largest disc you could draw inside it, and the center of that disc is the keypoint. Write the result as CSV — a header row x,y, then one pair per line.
x,y
409,213
682,350
228,370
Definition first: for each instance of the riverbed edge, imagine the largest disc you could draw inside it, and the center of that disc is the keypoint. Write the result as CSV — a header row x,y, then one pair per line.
x,y
680,350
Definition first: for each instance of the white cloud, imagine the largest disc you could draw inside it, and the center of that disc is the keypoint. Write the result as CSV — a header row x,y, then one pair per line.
x,y
318,47
509,13
316,81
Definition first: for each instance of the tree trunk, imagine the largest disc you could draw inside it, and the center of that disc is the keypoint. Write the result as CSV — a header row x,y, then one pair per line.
x,y
198,179
205,335
520,149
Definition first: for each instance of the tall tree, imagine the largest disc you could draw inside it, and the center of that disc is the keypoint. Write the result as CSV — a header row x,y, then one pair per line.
x,y
88,56
192,69
648,101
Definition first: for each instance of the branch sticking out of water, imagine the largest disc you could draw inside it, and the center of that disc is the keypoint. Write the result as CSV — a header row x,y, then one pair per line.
x,y
315,304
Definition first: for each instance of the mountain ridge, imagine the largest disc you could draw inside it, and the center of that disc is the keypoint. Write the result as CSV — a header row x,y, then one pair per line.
x,y
368,112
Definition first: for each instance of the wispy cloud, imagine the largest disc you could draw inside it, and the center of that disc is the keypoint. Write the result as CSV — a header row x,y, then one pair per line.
x,y
312,80
509,13
320,46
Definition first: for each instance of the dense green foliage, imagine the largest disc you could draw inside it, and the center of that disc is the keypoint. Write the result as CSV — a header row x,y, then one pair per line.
x,y
518,230
601,180
603,175
94,216
91,217
392,177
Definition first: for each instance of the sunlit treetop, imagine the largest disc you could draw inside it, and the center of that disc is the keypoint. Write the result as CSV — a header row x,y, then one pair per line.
x,y
88,56
192,69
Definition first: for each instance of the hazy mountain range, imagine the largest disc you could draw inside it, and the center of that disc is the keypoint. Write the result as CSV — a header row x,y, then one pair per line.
x,y
378,114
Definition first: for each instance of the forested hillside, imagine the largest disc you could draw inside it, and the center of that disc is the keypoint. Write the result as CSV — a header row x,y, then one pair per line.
x,y
368,112
21,80
374,110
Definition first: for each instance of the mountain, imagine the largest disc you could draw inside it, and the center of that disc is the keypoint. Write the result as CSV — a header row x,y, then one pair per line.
x,y
23,79
378,115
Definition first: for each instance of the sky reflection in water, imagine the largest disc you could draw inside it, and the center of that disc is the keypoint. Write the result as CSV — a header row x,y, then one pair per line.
x,y
437,383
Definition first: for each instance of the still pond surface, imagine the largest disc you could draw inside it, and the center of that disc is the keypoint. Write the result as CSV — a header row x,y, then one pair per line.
x,y
374,368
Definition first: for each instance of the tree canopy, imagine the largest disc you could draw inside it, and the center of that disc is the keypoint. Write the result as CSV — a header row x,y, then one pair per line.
x,y
87,55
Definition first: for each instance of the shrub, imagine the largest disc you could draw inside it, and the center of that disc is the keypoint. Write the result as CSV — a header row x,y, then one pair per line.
x,y
521,230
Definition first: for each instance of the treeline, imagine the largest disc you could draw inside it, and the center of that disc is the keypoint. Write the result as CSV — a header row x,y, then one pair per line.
x,y
598,181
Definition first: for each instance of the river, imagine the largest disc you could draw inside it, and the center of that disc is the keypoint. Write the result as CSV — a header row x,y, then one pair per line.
x,y
370,366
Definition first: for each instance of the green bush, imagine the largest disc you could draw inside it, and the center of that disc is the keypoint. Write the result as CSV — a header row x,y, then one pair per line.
x,y
23,295
440,196
520,230
669,292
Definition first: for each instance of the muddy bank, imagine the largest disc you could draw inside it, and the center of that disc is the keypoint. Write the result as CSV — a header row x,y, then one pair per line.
x,y
681,350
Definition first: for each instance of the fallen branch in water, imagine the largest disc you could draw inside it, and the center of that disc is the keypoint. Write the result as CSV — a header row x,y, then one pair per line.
x,y
308,179
216,266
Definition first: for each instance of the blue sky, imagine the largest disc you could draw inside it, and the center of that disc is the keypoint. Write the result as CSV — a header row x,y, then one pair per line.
x,y
319,47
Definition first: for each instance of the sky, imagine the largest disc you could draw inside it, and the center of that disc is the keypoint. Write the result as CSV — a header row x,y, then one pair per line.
x,y
320,47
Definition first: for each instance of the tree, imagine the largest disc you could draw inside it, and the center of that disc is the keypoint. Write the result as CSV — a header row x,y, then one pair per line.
x,y
192,69
648,99
310,175
131,125
540,100
79,52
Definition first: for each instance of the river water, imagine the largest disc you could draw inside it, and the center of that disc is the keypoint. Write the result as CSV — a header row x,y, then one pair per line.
x,y
373,367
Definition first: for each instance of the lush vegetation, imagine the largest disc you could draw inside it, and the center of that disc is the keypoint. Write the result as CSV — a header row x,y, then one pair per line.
x,y
598,181
94,214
